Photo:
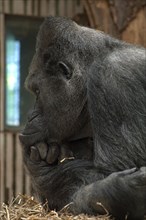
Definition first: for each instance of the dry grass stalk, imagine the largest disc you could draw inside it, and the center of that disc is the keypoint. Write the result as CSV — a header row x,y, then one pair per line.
x,y
27,208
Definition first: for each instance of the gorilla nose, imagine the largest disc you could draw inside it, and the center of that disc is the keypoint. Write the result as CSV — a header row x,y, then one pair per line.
x,y
32,115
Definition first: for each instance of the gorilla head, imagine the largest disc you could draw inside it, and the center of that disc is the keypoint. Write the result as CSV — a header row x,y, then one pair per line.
x,y
57,77
91,106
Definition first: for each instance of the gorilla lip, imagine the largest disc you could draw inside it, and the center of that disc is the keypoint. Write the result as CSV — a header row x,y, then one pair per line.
x,y
28,134
30,138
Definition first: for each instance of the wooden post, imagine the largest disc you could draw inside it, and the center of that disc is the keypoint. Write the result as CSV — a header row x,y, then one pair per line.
x,y
2,146
51,7
2,169
18,7
1,6
136,30
6,6
2,70
28,7
19,168
9,167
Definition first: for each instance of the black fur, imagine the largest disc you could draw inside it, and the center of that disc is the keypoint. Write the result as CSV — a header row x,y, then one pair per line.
x,y
91,110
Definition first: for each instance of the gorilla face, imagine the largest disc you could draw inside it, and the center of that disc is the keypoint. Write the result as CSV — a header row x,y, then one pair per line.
x,y
57,79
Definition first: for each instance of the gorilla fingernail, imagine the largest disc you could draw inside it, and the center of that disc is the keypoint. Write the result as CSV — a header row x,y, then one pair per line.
x,y
52,154
34,154
42,148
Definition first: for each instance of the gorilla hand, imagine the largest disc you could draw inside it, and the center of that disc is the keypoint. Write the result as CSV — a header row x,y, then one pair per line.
x,y
128,187
114,192
51,154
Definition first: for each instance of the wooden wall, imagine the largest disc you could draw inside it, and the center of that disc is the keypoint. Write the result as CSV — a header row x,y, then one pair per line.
x,y
13,179
41,7
123,19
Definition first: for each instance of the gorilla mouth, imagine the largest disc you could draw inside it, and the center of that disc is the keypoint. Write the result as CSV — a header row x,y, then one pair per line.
x,y
29,139
32,132
28,134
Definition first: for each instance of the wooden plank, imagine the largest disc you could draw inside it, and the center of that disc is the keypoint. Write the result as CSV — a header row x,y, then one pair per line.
x,y
9,166
69,8
6,6
89,12
39,8
136,30
19,169
18,7
44,8
2,49
27,185
103,18
28,7
51,8
2,147
61,6
100,17
1,6
78,6
2,169
36,8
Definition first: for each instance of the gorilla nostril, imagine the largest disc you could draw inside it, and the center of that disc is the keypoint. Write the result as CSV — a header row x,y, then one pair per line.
x,y
37,92
32,115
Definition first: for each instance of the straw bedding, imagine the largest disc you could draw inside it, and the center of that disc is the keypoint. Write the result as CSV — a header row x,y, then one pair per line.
x,y
27,208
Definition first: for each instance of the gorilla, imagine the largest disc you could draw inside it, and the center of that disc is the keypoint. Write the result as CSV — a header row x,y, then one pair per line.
x,y
84,144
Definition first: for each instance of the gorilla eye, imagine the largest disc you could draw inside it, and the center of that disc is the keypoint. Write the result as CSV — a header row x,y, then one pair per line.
x,y
65,69
37,91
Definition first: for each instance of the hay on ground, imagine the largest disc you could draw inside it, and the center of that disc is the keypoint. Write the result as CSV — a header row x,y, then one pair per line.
x,y
27,208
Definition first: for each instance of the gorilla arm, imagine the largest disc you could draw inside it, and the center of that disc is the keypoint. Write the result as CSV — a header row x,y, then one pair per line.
x,y
80,184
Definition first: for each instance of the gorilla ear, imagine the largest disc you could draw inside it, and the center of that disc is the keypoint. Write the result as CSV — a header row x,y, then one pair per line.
x,y
67,72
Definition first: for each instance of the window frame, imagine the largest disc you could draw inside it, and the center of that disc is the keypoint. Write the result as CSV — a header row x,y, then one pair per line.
x,y
3,124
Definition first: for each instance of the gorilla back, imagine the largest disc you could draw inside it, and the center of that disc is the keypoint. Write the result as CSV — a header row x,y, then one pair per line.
x,y
85,141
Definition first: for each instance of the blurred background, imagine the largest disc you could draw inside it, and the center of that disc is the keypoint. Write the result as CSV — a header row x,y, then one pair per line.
x,y
19,24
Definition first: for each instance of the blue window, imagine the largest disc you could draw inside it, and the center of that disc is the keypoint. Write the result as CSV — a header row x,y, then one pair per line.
x,y
19,49
12,81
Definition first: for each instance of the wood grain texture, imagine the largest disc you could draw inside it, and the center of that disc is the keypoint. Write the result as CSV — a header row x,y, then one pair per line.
x,y
9,166
19,168
136,30
18,7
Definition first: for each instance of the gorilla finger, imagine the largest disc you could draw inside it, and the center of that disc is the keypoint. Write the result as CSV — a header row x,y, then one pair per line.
x,y
143,169
42,148
127,172
142,175
65,153
53,154
34,154
139,177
